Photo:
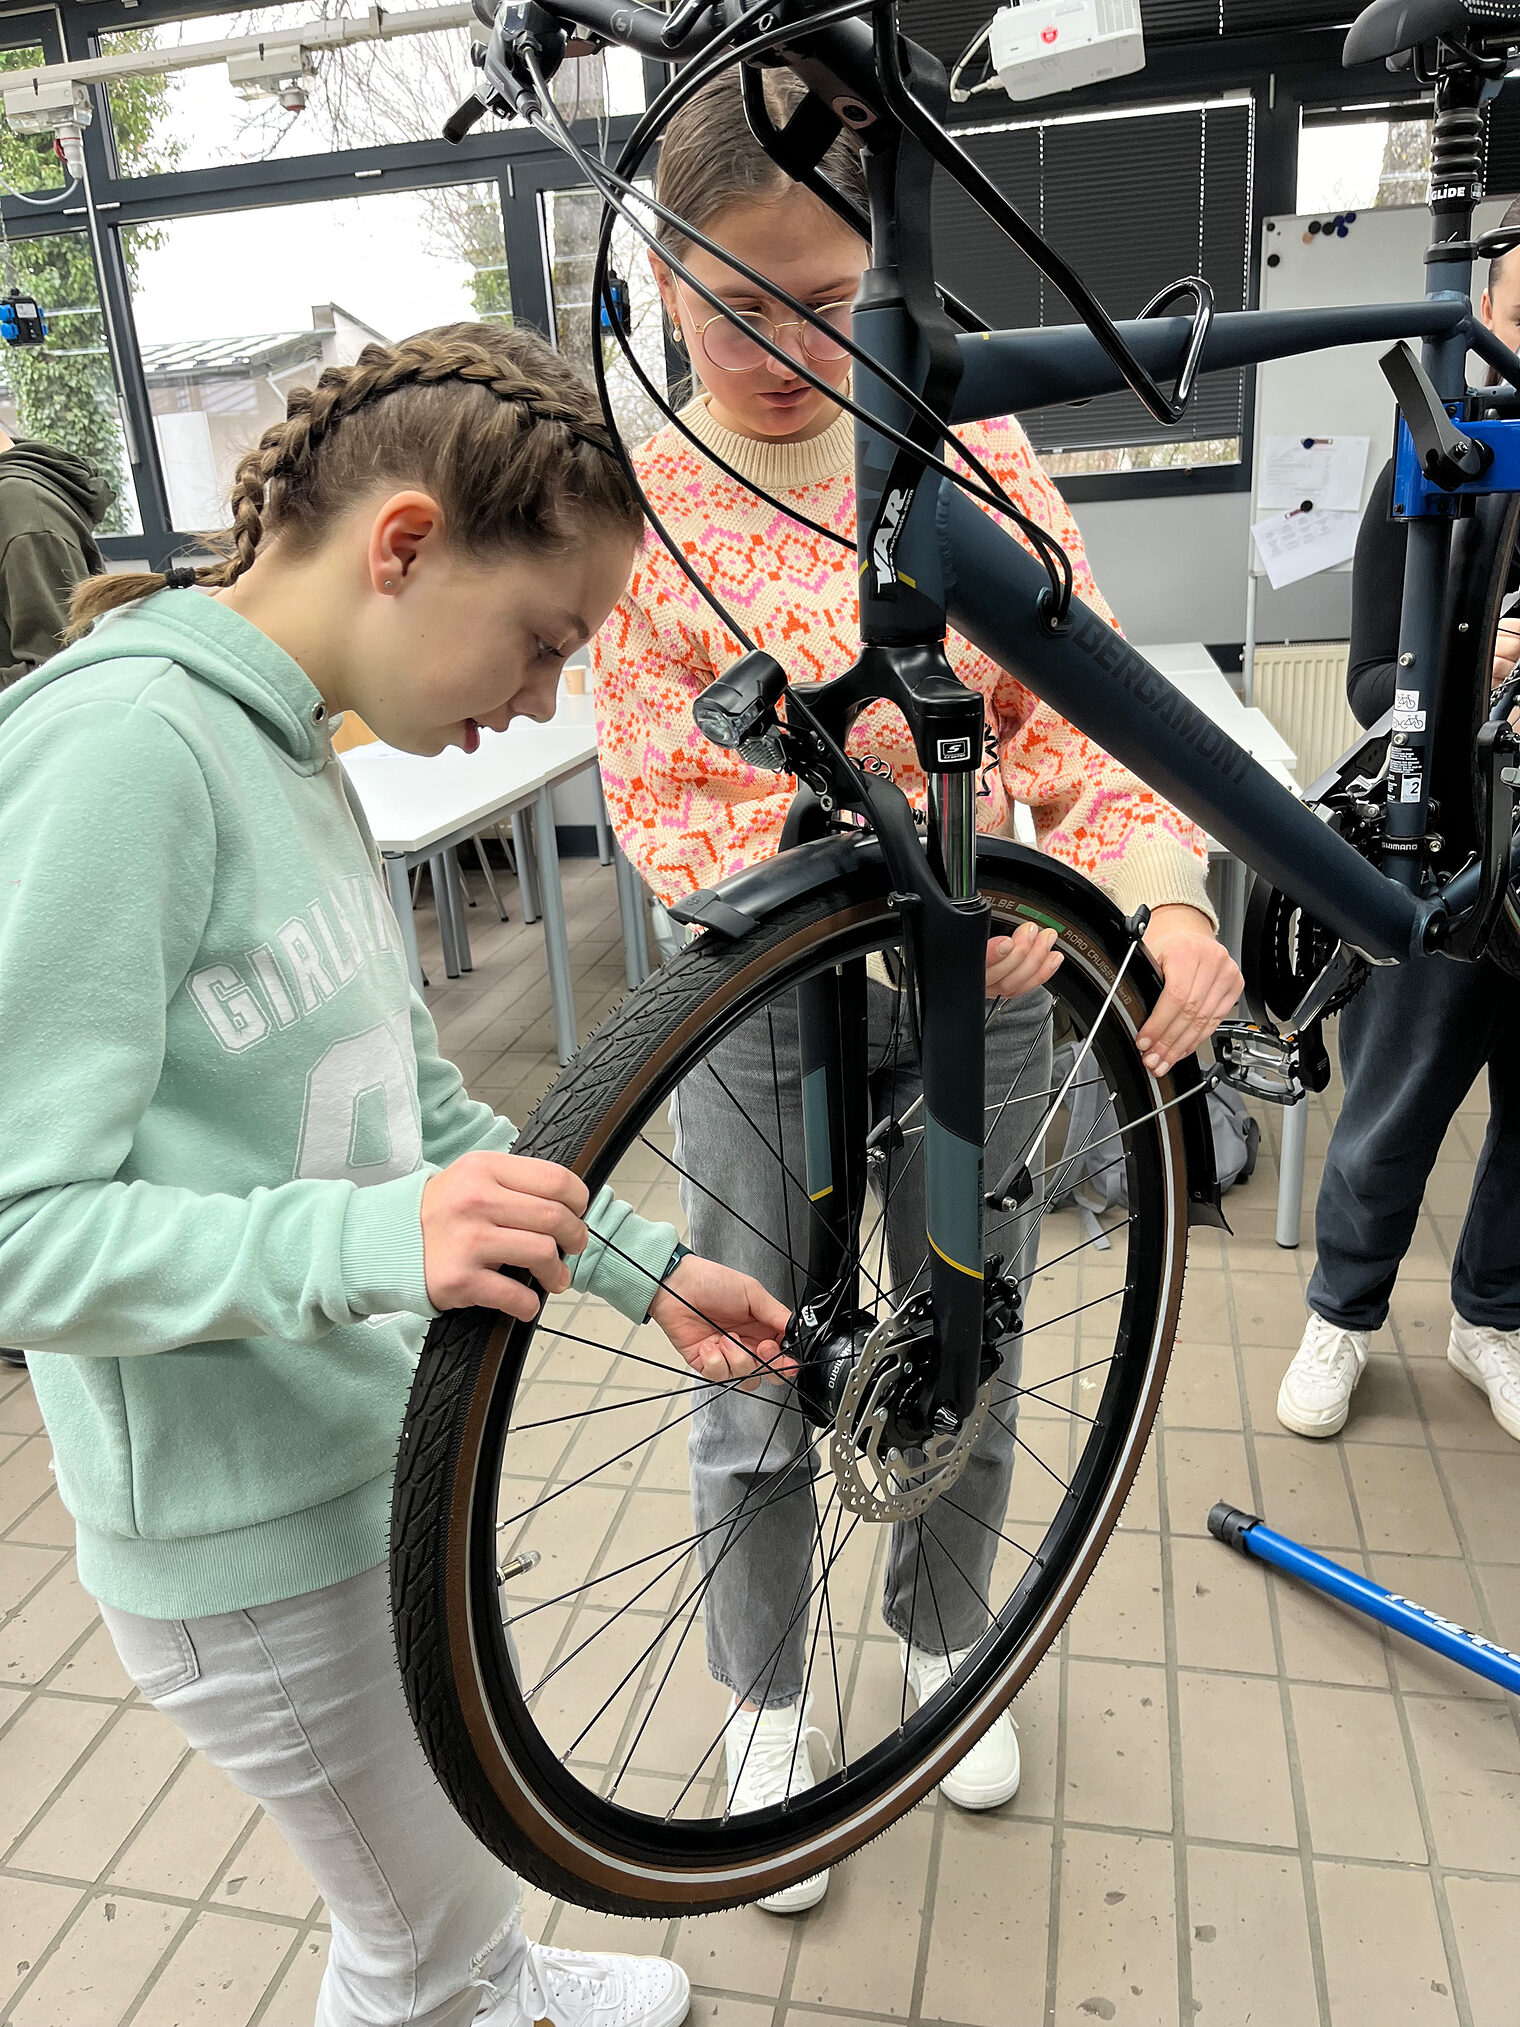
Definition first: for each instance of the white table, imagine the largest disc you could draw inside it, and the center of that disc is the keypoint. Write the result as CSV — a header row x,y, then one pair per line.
x,y
1191,667
420,807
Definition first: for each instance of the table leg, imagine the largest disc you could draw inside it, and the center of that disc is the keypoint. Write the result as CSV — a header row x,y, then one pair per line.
x,y
1290,1181
556,939
400,886
630,911
445,914
454,882
527,864
1232,895
490,878
604,844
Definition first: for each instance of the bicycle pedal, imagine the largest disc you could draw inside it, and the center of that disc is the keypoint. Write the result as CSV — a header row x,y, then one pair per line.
x,y
1264,1064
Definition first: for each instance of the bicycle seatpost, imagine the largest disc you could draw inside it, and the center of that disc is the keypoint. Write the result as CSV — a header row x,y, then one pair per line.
x,y
1456,186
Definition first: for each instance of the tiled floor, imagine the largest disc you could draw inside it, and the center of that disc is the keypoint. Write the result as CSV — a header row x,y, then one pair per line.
x,y
1240,1804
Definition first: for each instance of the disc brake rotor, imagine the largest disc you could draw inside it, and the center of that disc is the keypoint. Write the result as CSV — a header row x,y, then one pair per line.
x,y
876,1479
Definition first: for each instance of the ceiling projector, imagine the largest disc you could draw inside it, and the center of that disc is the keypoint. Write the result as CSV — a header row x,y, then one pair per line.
x,y
1048,46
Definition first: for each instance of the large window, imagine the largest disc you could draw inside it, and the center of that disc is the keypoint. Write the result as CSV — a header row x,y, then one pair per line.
x,y
233,311
571,222
367,94
1357,158
1127,234
64,391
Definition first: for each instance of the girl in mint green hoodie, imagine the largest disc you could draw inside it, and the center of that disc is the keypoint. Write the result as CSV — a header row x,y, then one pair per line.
x,y
235,1172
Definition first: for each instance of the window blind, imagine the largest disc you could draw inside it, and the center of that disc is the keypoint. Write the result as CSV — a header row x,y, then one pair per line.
x,y
946,26
1132,203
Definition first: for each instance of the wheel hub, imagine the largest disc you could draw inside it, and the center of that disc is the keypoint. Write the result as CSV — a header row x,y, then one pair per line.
x,y
878,1477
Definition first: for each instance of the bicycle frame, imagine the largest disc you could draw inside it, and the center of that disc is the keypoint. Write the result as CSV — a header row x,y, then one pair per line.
x,y
931,559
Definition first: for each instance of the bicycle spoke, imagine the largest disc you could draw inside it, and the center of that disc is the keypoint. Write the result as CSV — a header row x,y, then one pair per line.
x,y
1050,1322
677,1550
705,1400
796,1181
680,1371
1104,1232
662,1284
1019,1440
828,1608
700,1590
739,1701
764,1238
699,1595
943,1548
799,1608
955,1506
918,1563
944,1638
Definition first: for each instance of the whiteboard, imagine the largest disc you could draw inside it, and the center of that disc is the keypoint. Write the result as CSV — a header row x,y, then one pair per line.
x,y
1342,392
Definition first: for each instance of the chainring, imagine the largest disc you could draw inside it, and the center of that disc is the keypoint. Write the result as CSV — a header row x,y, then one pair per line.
x,y
1283,950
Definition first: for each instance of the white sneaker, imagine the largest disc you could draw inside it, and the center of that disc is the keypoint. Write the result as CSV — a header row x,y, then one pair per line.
x,y
989,1774
770,1757
576,1988
1491,1360
1315,1396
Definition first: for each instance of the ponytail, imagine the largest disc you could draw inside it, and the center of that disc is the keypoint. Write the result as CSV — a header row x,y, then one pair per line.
x,y
493,423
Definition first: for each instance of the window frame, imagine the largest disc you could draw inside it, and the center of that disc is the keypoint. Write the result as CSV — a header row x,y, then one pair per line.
x,y
1282,74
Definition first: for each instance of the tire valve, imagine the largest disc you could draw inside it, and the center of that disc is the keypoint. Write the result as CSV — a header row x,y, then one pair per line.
x,y
518,1565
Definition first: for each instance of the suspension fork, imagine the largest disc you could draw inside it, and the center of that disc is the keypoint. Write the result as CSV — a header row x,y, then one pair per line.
x,y
950,935
947,934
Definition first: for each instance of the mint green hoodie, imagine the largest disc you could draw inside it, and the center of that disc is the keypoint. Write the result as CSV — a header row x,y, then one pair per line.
x,y
219,1102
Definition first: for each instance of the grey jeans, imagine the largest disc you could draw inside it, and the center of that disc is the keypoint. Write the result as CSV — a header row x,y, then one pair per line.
x,y
757,1531
300,1704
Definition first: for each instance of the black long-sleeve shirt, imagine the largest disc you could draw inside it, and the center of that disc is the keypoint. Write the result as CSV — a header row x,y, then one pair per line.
x,y
1377,595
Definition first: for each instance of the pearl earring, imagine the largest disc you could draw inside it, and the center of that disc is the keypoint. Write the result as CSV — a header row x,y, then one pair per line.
x,y
389,584
676,333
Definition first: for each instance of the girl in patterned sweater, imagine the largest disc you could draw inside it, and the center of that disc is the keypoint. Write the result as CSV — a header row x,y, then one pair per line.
x,y
688,813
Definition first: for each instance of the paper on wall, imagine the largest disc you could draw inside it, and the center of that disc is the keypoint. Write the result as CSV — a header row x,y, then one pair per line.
x,y
1325,472
1296,545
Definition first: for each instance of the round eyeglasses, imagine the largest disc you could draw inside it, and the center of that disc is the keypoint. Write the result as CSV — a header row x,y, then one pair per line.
x,y
735,342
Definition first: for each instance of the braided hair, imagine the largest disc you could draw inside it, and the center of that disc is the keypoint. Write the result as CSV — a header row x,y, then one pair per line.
x,y
504,434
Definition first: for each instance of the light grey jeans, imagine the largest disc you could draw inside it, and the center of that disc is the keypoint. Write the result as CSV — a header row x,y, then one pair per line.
x,y
757,1532
301,1705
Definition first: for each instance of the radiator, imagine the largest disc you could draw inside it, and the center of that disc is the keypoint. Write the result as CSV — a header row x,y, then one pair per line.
x,y
1302,689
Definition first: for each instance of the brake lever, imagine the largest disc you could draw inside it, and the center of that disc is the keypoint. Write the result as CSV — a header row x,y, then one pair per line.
x,y
460,121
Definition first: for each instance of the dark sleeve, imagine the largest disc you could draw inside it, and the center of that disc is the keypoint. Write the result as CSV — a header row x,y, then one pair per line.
x,y
37,574
1377,594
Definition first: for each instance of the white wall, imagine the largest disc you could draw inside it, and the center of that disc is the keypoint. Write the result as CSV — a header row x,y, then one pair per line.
x,y
1175,569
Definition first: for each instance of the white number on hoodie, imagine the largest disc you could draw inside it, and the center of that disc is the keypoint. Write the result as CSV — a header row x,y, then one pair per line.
x,y
350,1083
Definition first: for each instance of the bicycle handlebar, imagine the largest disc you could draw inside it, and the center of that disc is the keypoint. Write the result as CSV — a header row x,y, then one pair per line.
x,y
857,71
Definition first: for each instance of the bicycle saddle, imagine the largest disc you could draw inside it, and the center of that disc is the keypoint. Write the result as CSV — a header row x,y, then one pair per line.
x,y
1389,27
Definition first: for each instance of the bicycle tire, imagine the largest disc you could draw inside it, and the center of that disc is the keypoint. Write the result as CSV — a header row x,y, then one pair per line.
x,y
483,1744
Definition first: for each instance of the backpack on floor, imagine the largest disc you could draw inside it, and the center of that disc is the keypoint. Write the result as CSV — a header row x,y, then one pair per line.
x,y
1095,1180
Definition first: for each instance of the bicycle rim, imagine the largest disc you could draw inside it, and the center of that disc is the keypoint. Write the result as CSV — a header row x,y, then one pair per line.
x,y
600,1770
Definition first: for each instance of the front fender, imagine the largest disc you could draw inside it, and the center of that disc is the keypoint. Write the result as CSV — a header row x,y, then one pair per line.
x,y
738,904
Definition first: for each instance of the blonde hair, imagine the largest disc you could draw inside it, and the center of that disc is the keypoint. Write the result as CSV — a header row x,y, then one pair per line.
x,y
710,159
492,422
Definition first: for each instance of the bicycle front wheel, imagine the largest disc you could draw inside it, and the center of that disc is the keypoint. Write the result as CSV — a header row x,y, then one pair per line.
x,y
687,1531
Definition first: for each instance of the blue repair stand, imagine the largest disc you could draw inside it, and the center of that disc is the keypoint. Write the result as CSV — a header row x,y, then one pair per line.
x,y
1253,1537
